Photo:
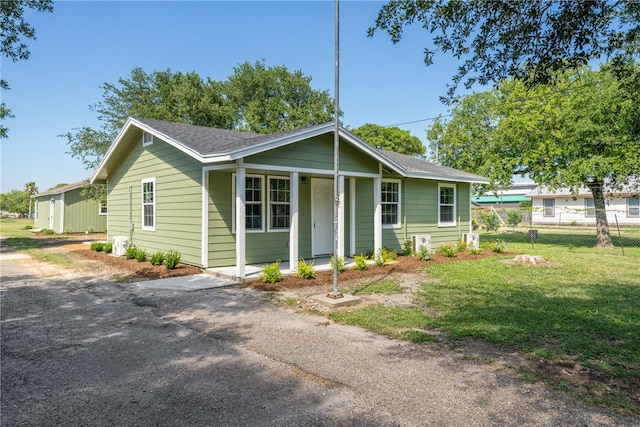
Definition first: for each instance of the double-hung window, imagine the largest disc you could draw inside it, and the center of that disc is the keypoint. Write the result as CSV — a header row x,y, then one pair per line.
x,y
390,201
149,204
446,205
589,208
253,203
548,207
633,207
279,203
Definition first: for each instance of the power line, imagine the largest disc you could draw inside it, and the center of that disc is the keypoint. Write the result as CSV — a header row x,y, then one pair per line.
x,y
417,121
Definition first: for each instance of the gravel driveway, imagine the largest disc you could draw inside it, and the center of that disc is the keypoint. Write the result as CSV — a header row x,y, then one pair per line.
x,y
80,350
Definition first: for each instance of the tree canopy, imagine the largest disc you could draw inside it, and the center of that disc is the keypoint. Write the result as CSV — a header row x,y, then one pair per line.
x,y
530,40
579,131
390,138
255,98
12,38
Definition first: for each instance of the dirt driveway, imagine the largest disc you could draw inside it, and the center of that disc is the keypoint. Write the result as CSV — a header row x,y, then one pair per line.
x,y
78,349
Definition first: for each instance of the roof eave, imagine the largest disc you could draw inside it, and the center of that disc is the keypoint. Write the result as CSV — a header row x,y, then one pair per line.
x,y
452,178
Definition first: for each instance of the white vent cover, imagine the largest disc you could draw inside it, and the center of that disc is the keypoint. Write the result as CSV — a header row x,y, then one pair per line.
x,y
472,240
120,244
421,241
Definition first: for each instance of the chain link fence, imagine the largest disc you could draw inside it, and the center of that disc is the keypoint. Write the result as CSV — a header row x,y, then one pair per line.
x,y
576,229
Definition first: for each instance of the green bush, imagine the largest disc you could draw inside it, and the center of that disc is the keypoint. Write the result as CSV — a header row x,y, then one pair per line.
x,y
381,261
389,254
514,218
271,273
423,254
499,246
28,227
448,250
141,255
407,248
461,246
490,220
157,258
68,230
89,229
361,262
172,259
131,252
46,231
108,247
305,270
474,251
97,246
340,264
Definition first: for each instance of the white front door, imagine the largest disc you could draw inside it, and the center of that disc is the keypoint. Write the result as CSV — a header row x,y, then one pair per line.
x,y
52,209
322,216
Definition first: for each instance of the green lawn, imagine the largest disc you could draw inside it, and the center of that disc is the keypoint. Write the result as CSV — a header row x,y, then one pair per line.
x,y
583,308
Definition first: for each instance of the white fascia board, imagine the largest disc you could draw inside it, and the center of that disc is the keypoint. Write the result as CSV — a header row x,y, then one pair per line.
x,y
110,150
449,178
363,146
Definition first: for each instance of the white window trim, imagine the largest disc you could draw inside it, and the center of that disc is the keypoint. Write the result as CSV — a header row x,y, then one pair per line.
x,y
104,205
455,205
587,208
155,196
398,224
635,207
268,191
147,139
233,201
544,209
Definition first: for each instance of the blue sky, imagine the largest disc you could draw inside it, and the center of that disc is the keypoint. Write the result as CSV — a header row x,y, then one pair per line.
x,y
82,45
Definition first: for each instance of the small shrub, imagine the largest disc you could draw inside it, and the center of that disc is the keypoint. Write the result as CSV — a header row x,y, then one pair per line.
x,y
461,246
89,229
490,220
474,251
46,231
423,254
157,258
305,270
574,223
97,246
380,259
108,247
131,252
68,230
141,255
340,264
361,262
28,227
389,254
514,217
448,250
407,248
172,259
499,246
271,273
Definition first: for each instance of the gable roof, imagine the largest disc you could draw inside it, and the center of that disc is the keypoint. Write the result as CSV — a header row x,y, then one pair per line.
x,y
210,145
61,189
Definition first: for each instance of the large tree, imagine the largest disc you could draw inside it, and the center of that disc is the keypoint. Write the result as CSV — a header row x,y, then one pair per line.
x,y
526,39
578,132
390,138
14,31
255,98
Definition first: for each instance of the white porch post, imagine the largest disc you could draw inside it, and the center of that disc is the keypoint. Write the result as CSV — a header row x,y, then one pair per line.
x,y
240,219
377,215
205,219
352,216
293,222
341,216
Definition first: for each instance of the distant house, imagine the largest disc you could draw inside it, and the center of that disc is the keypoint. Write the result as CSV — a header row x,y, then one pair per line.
x,y
65,210
509,198
562,207
226,198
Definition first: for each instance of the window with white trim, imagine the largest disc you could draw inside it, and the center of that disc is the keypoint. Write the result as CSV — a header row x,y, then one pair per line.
x,y
279,203
589,208
390,202
102,209
149,204
147,139
446,205
548,207
254,206
633,207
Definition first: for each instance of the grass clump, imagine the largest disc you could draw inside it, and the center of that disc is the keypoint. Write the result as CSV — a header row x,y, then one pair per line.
x,y
305,269
141,255
385,287
156,258
271,273
46,231
172,259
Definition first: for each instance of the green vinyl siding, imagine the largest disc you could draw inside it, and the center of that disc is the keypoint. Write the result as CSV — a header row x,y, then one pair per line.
x,y
43,212
364,215
82,213
317,153
178,199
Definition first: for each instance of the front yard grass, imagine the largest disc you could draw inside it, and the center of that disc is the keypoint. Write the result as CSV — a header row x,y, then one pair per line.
x,y
582,308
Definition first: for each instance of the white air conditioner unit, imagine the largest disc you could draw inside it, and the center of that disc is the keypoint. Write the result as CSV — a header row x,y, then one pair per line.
x,y
420,241
472,240
120,245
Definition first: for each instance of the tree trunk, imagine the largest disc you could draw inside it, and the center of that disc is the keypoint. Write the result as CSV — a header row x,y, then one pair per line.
x,y
602,224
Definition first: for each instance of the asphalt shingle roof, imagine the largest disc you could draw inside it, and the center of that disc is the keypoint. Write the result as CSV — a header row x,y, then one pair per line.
x,y
415,165
61,189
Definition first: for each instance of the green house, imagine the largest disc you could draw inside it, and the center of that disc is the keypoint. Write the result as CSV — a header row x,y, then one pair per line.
x,y
226,198
65,209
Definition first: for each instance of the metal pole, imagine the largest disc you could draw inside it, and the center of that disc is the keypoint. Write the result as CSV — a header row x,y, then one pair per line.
x,y
336,154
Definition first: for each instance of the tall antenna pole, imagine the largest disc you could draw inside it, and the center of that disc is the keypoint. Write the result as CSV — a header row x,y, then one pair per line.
x,y
336,155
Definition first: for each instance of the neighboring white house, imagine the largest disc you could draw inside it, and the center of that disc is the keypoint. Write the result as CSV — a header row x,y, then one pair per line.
x,y
562,207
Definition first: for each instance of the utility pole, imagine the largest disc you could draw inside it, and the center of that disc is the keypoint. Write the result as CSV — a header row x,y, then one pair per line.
x,y
336,156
